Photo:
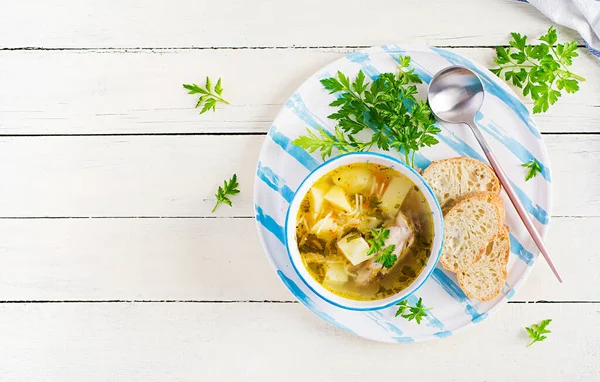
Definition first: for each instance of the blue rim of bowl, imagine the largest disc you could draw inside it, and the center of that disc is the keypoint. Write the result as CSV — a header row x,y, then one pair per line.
x,y
437,205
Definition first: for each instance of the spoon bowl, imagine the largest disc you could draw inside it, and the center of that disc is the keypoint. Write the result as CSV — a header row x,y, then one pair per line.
x,y
456,94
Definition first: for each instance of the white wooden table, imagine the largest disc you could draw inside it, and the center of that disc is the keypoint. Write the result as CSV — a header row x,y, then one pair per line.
x,y
112,266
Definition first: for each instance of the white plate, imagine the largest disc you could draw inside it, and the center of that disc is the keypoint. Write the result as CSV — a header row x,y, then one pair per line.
x,y
511,133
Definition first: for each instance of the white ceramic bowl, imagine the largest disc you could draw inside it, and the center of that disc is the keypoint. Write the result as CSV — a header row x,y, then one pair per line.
x,y
292,246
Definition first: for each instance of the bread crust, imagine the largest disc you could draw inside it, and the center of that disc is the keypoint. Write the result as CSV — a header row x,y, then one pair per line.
x,y
498,201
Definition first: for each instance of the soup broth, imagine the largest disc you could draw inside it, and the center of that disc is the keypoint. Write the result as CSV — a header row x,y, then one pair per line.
x,y
364,231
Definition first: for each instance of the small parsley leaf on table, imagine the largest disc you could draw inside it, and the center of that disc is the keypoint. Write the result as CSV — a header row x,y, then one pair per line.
x,y
229,188
536,331
409,312
542,70
209,96
533,168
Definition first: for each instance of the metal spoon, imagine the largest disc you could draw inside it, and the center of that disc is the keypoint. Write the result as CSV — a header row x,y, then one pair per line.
x,y
456,95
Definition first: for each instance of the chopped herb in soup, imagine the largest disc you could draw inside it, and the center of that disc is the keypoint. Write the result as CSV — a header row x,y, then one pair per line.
x,y
364,231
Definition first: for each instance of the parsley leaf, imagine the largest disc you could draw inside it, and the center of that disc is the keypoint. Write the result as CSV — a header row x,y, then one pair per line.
x,y
386,257
416,312
229,188
376,246
377,242
540,70
533,167
326,142
386,108
536,331
208,96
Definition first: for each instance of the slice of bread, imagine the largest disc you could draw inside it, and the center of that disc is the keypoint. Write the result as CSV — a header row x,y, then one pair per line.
x,y
469,226
454,177
485,278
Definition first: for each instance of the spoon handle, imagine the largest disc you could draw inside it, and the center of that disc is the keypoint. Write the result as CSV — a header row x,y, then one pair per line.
x,y
523,214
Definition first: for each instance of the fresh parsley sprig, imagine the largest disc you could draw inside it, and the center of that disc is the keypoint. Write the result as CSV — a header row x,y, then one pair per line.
x,y
533,168
385,256
377,242
416,312
229,188
209,96
386,107
540,70
325,142
536,331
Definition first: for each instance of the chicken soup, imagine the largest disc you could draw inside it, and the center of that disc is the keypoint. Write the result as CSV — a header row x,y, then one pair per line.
x,y
364,231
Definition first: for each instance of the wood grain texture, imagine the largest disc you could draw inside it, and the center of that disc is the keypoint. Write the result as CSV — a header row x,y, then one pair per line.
x,y
240,23
140,92
116,68
196,259
274,342
179,175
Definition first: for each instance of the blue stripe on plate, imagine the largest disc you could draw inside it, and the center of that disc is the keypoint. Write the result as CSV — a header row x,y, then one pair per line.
x,y
458,145
391,327
442,334
507,291
510,293
297,105
394,51
364,61
377,322
270,224
512,102
534,209
304,158
403,340
457,294
511,144
274,181
300,295
375,316
520,251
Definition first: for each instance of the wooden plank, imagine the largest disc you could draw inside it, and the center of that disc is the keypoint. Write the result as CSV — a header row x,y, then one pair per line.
x,y
196,259
274,342
240,23
179,175
131,92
